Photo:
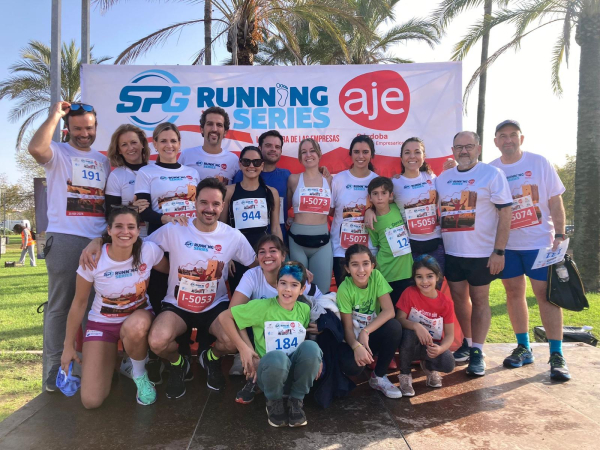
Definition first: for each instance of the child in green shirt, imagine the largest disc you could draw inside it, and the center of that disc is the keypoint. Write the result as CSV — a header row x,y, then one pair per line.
x,y
282,356
390,236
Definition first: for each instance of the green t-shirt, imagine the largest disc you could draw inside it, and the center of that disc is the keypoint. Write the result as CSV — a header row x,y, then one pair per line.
x,y
255,313
351,298
392,268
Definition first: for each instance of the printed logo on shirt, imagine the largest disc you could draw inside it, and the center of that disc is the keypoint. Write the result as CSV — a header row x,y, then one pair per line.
x,y
460,182
418,185
518,176
218,248
143,267
356,187
458,211
201,247
177,178
108,274
131,181
124,303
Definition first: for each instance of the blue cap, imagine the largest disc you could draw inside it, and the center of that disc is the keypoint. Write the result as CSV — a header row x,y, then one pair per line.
x,y
68,384
508,122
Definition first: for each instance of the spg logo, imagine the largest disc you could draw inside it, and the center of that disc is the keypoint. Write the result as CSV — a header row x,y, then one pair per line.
x,y
108,274
378,100
189,244
152,97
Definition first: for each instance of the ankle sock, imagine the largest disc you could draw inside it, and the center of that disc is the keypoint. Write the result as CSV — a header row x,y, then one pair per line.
x,y
523,339
179,362
138,367
476,345
555,346
469,341
211,355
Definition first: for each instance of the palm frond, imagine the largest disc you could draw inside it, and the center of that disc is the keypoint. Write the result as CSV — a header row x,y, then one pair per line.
x,y
26,124
557,57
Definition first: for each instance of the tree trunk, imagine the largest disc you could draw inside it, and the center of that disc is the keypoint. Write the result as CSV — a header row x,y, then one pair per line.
x,y
587,172
207,32
245,57
485,46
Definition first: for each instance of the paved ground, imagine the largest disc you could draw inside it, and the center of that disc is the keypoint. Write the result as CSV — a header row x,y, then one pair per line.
x,y
506,409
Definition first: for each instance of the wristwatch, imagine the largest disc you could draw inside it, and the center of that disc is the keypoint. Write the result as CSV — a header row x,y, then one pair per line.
x,y
559,235
499,252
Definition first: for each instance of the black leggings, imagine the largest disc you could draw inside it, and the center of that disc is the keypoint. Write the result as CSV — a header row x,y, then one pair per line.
x,y
411,350
383,343
339,271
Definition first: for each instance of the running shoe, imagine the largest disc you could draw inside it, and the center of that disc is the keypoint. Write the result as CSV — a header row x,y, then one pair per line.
x,y
406,386
126,368
176,383
246,395
463,352
434,379
558,368
146,394
236,368
276,413
384,385
51,380
155,368
476,365
296,415
214,375
189,375
519,356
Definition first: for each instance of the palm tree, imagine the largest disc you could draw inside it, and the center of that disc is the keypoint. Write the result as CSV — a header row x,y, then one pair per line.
x,y
443,15
29,82
583,17
363,47
245,23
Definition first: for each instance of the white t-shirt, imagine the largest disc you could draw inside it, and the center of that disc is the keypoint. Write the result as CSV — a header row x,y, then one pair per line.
x,y
532,176
76,181
120,289
419,197
254,285
121,183
223,166
173,191
469,217
199,263
350,200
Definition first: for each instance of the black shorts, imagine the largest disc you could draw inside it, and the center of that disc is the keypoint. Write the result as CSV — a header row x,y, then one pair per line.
x,y
200,321
474,270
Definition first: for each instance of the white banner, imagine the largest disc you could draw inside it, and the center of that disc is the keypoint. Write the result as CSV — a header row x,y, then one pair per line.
x,y
331,104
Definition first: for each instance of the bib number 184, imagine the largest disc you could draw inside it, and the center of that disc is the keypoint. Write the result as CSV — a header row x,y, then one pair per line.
x,y
286,343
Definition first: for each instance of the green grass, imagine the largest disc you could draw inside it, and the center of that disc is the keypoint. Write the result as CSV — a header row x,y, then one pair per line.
x,y
23,289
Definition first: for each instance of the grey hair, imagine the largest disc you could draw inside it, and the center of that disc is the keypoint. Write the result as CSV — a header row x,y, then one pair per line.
x,y
472,133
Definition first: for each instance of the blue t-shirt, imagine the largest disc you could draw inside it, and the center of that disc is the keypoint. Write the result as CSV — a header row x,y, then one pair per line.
x,y
277,179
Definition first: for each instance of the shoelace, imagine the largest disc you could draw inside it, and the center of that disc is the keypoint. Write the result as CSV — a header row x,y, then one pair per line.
x,y
295,406
556,360
519,351
249,387
146,386
278,407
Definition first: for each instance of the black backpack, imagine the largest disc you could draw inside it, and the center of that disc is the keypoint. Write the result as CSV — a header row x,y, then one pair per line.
x,y
33,236
566,294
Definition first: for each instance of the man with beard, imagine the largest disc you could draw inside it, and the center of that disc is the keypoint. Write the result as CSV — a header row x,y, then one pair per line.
x,y
76,177
209,159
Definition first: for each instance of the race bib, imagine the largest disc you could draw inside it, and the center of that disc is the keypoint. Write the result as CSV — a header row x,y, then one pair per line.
x,y
546,256
179,208
315,200
397,238
283,335
88,173
422,219
363,320
353,233
196,296
434,326
523,213
250,213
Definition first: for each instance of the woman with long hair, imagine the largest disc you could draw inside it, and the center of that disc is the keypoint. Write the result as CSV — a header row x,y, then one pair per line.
x,y
120,310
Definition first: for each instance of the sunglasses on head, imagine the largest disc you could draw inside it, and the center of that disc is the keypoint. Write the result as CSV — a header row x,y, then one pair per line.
x,y
81,106
247,162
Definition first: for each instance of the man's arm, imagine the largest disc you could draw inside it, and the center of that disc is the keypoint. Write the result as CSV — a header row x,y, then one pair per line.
x,y
557,211
496,262
39,146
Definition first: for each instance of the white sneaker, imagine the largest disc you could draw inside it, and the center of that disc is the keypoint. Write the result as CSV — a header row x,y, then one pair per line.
x,y
384,385
406,385
236,368
126,367
434,378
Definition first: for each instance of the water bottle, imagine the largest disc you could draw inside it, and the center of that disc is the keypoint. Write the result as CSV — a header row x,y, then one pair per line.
x,y
562,272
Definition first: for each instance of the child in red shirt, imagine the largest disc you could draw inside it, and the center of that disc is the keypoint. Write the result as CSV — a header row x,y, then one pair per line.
x,y
427,318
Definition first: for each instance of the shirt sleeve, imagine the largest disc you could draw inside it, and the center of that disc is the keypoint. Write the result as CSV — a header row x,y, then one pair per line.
x,y
382,286
500,190
112,185
247,283
245,253
161,237
554,184
86,274
343,299
107,170
374,235
183,157
155,253
54,148
404,302
250,314
142,182
305,314
448,313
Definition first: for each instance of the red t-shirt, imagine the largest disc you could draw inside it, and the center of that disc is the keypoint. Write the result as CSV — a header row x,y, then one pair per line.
x,y
432,313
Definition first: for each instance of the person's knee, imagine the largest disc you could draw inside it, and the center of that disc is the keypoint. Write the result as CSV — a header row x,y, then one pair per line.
x,y
91,400
136,328
393,330
158,339
275,360
309,351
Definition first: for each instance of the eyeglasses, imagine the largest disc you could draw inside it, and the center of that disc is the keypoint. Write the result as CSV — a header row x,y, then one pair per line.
x,y
247,162
467,147
80,106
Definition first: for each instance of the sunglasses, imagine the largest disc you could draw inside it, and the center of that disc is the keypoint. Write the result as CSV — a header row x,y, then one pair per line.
x,y
81,106
247,162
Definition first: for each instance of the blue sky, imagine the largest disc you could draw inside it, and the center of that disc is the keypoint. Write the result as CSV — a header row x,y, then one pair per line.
x,y
518,84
